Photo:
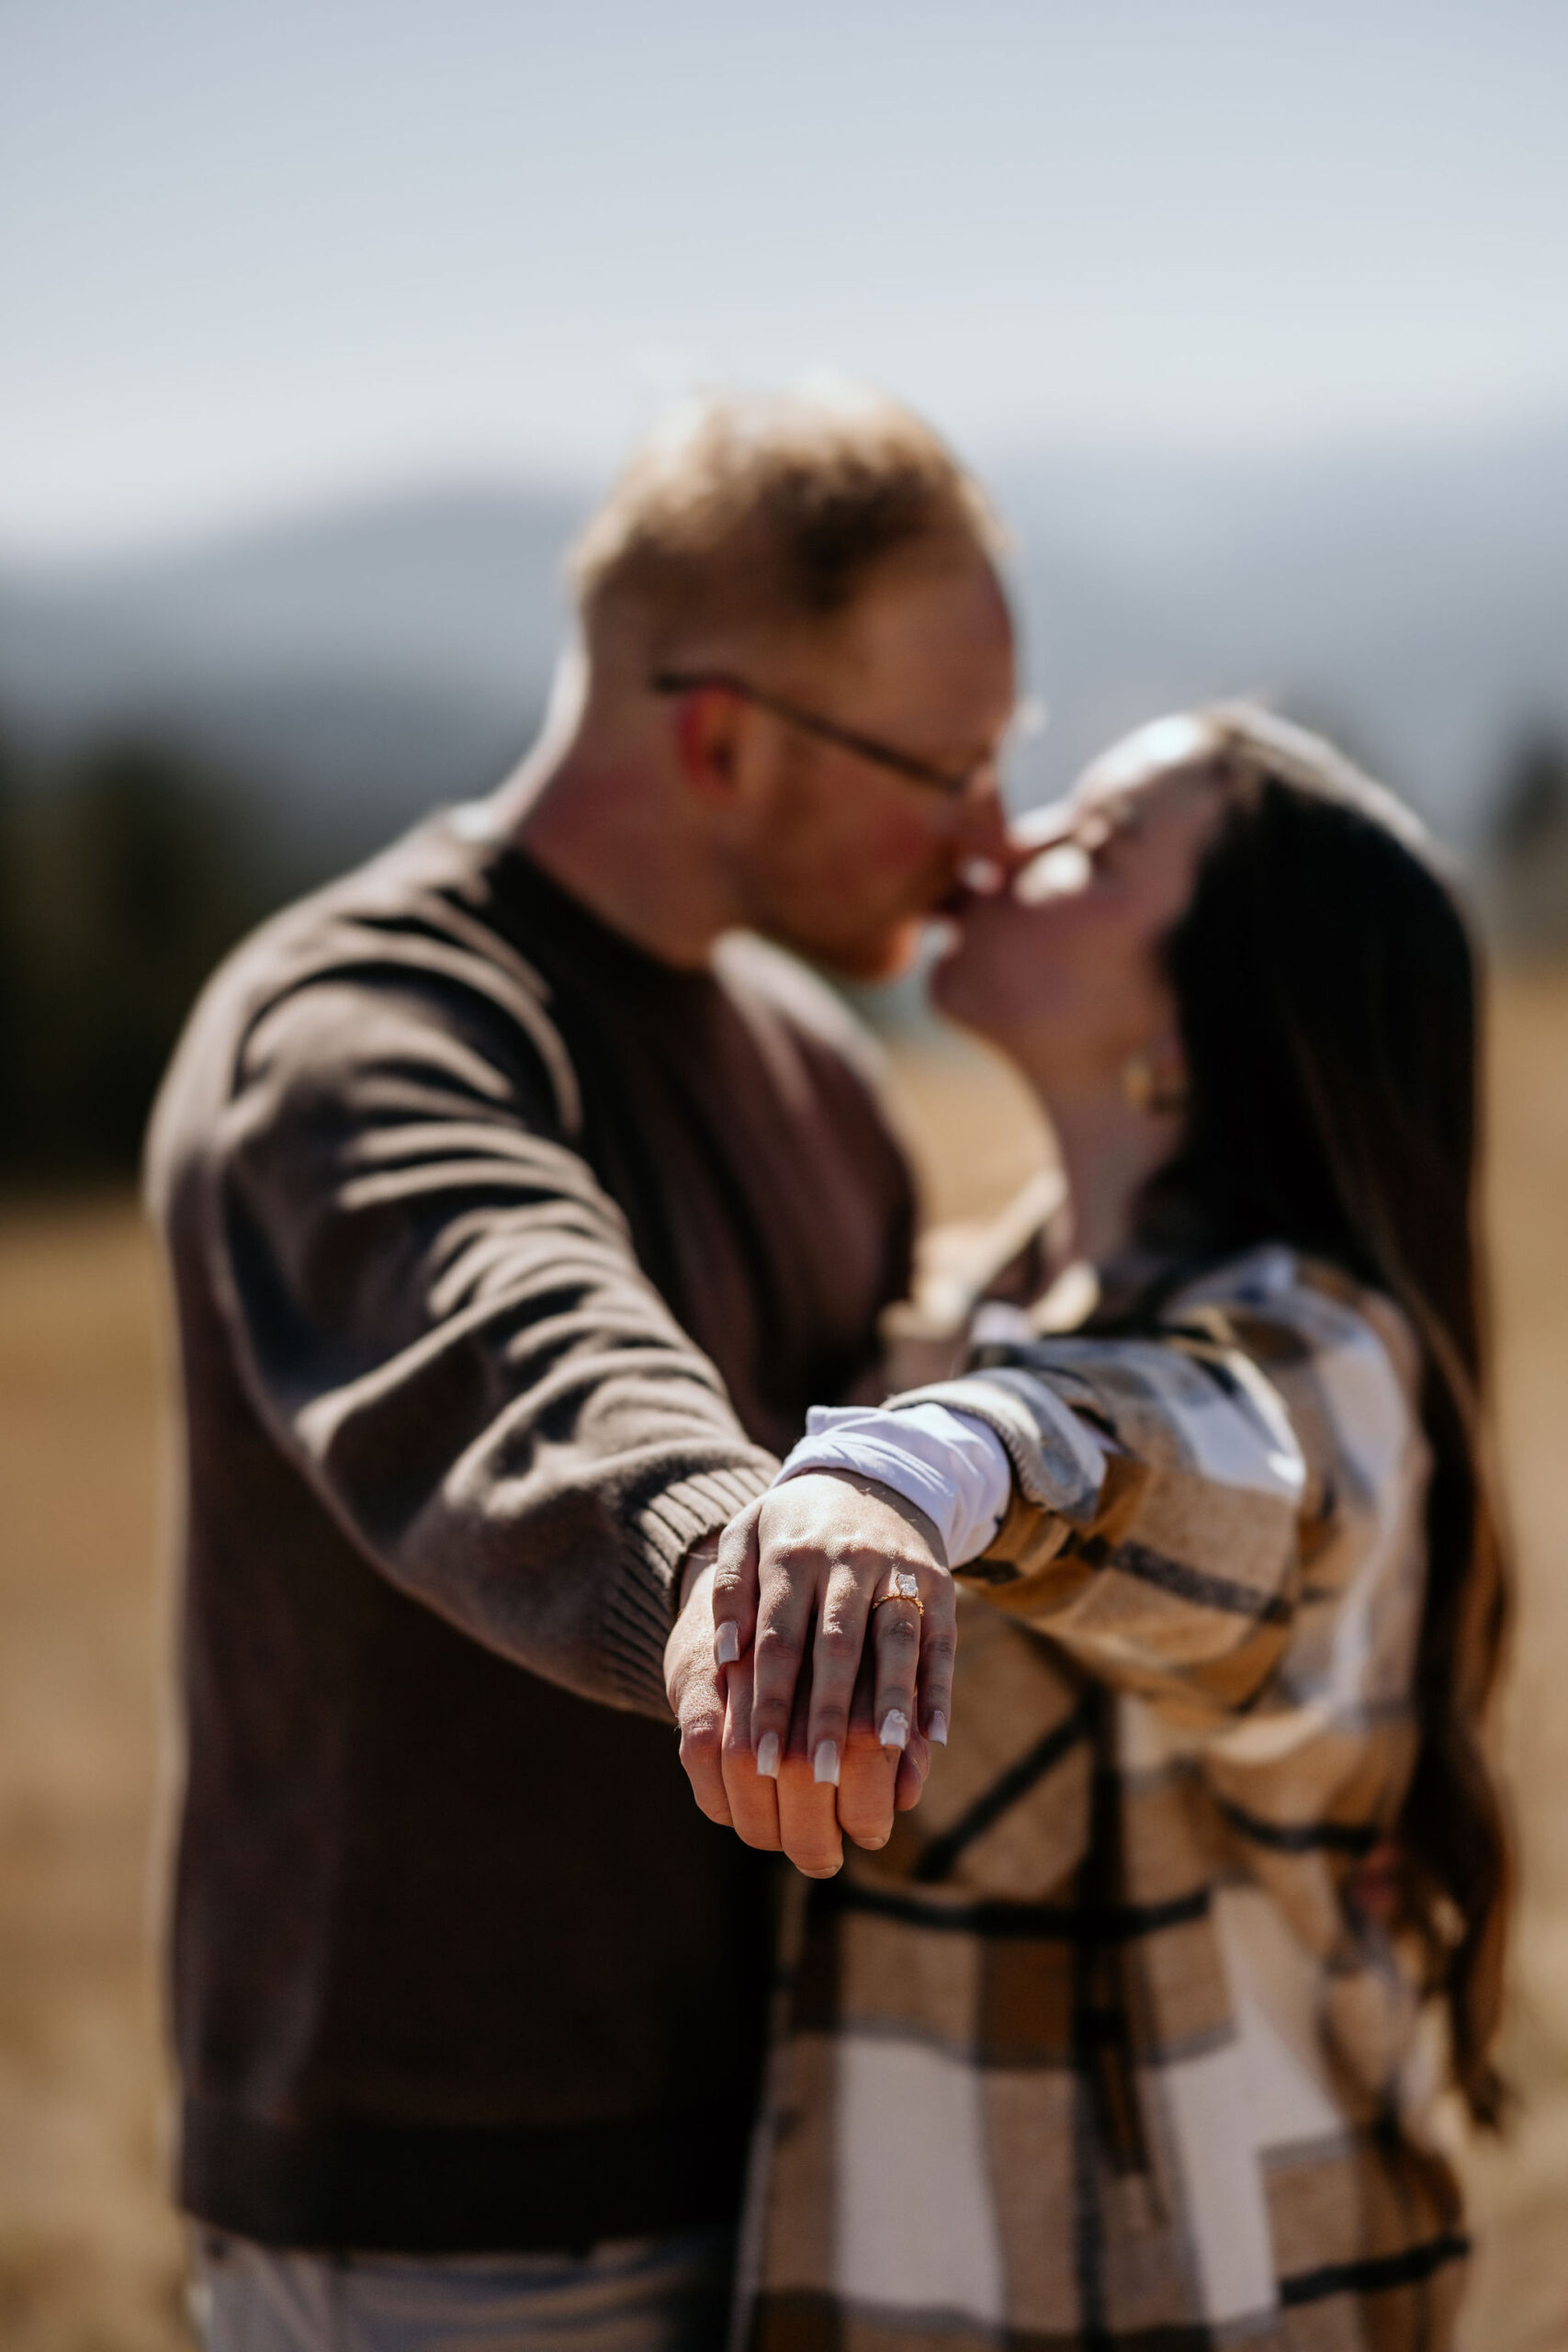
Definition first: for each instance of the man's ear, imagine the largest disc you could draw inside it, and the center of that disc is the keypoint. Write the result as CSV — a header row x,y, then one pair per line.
x,y
710,729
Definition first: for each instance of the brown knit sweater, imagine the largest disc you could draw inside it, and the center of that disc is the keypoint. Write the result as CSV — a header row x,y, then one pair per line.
x,y
505,1259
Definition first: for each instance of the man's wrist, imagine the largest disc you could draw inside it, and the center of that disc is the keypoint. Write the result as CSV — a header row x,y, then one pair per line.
x,y
703,1556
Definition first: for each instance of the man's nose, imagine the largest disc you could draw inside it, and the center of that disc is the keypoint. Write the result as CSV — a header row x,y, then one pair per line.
x,y
982,829
990,849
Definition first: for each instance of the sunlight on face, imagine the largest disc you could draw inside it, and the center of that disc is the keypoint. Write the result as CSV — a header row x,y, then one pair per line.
x,y
1163,746
1069,831
1064,971
1057,872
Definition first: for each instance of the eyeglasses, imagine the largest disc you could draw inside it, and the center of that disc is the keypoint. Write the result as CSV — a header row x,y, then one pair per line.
x,y
955,785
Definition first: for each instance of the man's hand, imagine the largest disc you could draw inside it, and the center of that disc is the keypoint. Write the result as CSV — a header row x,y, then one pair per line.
x,y
693,1683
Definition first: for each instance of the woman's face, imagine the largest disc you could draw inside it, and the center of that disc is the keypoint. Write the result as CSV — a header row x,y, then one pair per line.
x,y
1064,972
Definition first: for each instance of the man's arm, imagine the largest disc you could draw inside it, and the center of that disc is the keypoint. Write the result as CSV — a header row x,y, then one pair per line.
x,y
439,1317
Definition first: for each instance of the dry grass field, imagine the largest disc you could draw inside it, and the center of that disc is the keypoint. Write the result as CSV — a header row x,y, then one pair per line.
x,y
89,2253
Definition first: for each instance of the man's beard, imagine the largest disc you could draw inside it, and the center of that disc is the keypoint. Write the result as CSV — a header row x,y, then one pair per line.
x,y
866,955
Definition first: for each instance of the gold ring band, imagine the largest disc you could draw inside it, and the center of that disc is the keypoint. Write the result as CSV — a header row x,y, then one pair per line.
x,y
901,1585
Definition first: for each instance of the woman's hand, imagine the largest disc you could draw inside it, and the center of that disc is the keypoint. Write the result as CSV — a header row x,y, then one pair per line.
x,y
818,1552
828,1729
739,1667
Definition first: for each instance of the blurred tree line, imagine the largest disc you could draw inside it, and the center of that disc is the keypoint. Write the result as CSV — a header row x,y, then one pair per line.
x,y
125,871
1525,885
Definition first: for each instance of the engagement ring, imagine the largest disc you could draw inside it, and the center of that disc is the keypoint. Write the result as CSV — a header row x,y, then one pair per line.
x,y
901,1585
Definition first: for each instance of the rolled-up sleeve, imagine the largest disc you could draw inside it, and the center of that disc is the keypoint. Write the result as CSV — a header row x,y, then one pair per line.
x,y
952,1467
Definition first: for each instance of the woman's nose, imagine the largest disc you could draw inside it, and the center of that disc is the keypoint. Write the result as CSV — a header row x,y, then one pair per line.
x,y
1044,828
1013,847
1060,870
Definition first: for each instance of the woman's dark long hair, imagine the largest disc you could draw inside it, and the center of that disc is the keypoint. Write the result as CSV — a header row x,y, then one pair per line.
x,y
1327,990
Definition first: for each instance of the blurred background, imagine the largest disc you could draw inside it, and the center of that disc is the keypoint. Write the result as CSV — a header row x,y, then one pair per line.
x,y
320,327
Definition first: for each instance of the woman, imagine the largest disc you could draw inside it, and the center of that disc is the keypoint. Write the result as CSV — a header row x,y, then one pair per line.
x,y
1115,2042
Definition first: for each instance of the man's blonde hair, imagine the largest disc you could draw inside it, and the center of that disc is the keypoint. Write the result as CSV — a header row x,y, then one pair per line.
x,y
774,512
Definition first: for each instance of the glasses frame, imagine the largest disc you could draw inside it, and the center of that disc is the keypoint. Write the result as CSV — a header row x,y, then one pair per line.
x,y
949,782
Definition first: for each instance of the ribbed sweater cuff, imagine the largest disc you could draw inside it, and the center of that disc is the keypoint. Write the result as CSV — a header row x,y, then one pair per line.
x,y
642,1608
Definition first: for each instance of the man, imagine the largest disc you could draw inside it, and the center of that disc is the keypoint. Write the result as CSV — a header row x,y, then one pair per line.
x,y
515,1217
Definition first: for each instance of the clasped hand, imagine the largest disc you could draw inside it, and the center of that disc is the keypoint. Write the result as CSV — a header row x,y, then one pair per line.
x,y
808,1708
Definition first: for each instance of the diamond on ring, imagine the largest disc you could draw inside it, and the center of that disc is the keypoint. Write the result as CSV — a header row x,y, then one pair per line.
x,y
901,1585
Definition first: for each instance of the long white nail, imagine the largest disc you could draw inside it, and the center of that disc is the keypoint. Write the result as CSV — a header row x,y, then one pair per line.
x,y
895,1732
825,1763
727,1643
768,1756
936,1730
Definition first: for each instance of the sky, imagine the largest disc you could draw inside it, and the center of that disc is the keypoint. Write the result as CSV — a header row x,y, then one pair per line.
x,y
255,252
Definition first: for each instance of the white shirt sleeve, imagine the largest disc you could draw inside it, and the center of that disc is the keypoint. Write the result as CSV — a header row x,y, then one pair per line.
x,y
949,1464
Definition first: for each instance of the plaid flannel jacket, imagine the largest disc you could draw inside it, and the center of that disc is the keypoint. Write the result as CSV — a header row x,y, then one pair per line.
x,y
1096,2053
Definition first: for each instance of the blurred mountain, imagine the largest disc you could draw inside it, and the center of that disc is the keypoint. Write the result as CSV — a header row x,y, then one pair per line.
x,y
362,664
355,666
1413,601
